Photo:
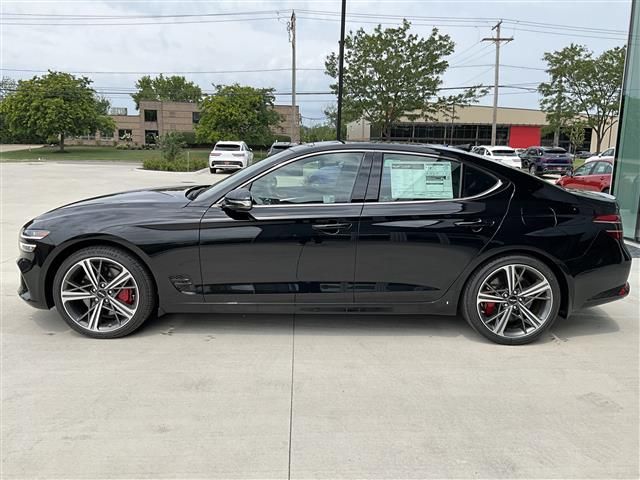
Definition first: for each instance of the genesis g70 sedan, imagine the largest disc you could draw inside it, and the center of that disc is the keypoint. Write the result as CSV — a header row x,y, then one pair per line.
x,y
334,228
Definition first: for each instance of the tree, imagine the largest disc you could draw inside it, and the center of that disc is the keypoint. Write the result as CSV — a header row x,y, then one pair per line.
x,y
450,103
236,112
174,88
55,104
317,133
583,84
171,146
391,73
576,135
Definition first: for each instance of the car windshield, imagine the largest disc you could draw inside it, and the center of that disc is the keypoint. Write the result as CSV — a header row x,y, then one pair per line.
x,y
554,150
227,147
504,153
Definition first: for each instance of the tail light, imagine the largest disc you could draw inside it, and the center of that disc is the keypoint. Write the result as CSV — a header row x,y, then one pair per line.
x,y
614,221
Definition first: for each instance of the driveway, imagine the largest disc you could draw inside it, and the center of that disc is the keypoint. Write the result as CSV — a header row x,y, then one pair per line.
x,y
13,147
199,396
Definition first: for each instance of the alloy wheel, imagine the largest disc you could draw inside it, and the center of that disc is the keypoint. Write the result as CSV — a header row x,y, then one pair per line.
x,y
515,301
99,294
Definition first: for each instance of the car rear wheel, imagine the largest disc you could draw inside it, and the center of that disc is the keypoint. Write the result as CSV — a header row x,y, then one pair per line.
x,y
512,300
533,170
212,170
103,292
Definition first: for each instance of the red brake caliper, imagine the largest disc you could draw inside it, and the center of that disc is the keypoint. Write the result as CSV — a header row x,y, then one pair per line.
x,y
125,296
489,308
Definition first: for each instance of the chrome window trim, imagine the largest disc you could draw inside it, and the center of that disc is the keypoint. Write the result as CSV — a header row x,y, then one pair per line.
x,y
495,187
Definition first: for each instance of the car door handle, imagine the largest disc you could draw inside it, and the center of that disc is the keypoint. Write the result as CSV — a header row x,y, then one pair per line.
x,y
479,223
331,228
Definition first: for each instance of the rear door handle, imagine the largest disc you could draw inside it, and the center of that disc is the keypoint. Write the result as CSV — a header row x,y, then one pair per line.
x,y
479,223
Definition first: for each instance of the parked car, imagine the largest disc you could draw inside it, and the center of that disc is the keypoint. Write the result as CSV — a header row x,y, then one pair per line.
x,y
230,156
436,230
278,147
608,154
543,160
594,176
506,155
583,154
520,151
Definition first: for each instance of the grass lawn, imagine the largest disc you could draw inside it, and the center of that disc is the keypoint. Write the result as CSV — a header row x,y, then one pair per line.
x,y
91,153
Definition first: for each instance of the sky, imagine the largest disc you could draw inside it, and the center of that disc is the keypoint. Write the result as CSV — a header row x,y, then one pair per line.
x,y
116,42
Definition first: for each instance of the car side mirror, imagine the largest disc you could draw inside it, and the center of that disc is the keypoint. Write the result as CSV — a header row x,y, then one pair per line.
x,y
238,200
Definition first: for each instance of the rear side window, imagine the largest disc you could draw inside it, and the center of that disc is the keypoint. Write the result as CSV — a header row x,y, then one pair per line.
x,y
408,177
602,168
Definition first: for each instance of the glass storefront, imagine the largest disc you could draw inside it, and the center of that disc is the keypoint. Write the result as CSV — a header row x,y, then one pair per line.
x,y
626,183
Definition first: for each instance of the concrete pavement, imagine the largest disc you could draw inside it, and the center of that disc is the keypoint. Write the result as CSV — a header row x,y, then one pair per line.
x,y
198,396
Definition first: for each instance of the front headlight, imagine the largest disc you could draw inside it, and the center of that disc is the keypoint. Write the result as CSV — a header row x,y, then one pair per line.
x,y
31,234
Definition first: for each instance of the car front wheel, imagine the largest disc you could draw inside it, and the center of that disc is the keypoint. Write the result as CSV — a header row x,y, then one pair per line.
x,y
533,170
103,292
512,300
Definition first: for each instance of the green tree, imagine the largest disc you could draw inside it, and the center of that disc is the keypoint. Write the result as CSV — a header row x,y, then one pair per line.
x,y
391,73
236,112
583,84
173,88
576,135
171,146
317,133
55,104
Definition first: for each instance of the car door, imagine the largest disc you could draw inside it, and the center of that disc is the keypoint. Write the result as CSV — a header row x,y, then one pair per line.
x,y
580,177
297,243
425,218
600,177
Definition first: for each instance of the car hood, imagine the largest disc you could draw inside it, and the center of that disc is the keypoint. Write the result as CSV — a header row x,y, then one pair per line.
x,y
144,198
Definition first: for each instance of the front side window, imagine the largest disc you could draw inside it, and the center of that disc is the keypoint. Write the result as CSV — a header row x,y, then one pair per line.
x,y
583,170
408,177
327,178
608,153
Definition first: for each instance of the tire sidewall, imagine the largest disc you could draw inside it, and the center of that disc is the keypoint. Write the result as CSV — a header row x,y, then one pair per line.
x,y
146,294
469,308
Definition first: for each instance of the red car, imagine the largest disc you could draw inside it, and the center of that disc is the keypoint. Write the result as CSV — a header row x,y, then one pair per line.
x,y
594,176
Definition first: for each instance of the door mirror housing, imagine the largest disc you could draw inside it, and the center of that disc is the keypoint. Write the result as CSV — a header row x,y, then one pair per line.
x,y
238,200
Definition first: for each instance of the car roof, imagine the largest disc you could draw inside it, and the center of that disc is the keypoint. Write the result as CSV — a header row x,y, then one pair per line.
x,y
229,142
501,147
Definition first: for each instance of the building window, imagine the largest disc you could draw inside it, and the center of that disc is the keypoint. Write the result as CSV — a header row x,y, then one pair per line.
x,y
195,117
150,137
125,134
106,135
150,115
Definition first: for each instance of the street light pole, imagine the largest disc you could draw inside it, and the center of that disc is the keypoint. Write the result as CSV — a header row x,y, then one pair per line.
x,y
340,73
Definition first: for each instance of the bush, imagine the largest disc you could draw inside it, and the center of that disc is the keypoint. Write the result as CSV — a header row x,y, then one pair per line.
x,y
178,165
122,146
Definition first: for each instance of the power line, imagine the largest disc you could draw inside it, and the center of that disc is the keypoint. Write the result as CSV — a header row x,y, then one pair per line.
x,y
212,72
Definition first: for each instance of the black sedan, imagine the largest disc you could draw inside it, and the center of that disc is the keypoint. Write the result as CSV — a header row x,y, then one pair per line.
x,y
334,228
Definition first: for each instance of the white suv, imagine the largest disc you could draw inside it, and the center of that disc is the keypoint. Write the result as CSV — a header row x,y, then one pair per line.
x,y
506,155
230,156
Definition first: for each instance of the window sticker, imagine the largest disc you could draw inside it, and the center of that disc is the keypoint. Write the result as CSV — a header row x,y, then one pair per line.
x,y
420,180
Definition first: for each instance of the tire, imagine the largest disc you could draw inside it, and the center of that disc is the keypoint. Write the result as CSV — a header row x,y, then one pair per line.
x,y
517,327
122,309
533,170
212,170
606,190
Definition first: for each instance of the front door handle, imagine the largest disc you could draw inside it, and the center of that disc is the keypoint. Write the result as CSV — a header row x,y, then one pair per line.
x,y
331,228
479,223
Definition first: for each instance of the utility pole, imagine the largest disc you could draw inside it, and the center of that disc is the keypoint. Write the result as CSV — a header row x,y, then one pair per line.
x,y
291,28
340,72
497,39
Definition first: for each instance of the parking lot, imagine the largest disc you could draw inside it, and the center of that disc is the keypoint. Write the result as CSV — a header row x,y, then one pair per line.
x,y
197,396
